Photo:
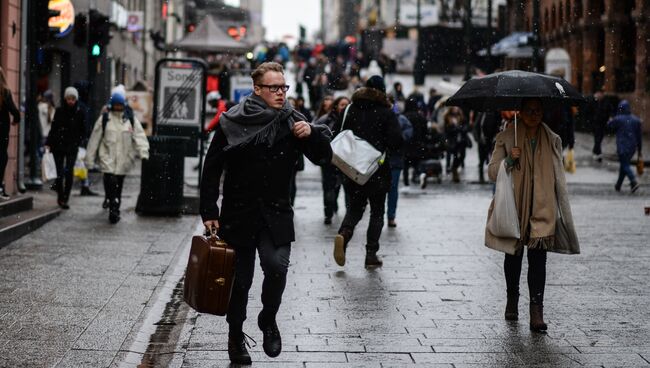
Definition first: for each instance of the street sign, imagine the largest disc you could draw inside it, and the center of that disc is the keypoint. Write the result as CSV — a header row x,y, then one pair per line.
x,y
179,96
240,86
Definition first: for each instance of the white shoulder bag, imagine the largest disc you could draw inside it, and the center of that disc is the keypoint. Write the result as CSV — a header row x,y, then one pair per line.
x,y
354,156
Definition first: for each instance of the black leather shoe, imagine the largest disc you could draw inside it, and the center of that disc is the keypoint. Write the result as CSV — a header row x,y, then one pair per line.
x,y
237,351
372,260
106,203
85,191
272,341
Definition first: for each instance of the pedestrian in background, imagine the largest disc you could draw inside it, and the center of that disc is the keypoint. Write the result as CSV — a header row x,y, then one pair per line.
x,y
457,140
46,109
414,148
371,118
67,134
116,141
82,102
396,162
627,127
7,108
325,106
599,113
486,127
258,141
330,175
542,202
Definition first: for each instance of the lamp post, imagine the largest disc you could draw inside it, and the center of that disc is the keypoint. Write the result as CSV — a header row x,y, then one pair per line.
x,y
418,69
468,39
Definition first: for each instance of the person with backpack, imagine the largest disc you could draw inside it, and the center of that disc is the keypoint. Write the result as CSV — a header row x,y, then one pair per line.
x,y
66,135
116,140
628,129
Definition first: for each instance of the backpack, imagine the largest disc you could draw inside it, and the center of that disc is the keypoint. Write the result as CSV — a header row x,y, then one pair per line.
x,y
105,120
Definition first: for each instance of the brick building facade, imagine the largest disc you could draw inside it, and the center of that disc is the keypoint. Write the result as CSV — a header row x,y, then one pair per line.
x,y
608,42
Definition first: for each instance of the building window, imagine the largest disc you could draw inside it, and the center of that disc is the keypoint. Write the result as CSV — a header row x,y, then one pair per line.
x,y
577,10
561,14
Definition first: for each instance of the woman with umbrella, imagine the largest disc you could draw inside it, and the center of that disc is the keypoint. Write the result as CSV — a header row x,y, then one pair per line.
x,y
533,156
542,206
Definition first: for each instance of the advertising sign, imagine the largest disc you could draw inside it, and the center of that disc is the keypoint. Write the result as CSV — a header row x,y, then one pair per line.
x,y
65,20
179,96
240,86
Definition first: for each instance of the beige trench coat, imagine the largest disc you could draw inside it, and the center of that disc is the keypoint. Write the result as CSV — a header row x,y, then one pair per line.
x,y
566,239
118,146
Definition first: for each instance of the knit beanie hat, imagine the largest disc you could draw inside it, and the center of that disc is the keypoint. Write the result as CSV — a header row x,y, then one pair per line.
x,y
117,99
376,82
71,92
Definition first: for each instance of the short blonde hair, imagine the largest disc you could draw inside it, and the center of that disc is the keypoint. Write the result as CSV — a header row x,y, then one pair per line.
x,y
258,73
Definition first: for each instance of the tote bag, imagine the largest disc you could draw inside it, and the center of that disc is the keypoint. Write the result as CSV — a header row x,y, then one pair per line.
x,y
504,222
354,156
48,166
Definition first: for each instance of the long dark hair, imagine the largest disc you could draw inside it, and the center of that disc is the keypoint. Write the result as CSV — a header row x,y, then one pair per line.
x,y
321,108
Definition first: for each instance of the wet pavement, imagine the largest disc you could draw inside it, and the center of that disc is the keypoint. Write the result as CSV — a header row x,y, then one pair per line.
x,y
81,293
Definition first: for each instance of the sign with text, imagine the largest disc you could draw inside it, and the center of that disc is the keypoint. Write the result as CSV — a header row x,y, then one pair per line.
x,y
179,96
240,86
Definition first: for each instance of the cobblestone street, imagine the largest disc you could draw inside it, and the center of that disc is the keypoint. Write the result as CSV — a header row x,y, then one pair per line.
x,y
79,292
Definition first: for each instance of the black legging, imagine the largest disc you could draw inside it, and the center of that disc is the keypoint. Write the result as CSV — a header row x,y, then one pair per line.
x,y
64,162
536,274
113,188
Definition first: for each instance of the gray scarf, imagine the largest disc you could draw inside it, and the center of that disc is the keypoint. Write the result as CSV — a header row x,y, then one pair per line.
x,y
252,121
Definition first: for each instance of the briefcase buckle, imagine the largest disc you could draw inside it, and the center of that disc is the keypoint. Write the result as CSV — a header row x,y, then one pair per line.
x,y
220,281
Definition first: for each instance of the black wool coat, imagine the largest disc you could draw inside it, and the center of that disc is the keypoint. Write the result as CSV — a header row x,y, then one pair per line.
x,y
68,129
371,118
256,187
7,110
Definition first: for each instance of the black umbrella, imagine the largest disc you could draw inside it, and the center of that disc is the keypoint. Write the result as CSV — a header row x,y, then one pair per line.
x,y
505,90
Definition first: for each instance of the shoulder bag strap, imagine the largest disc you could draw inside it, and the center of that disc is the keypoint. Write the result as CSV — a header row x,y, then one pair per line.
x,y
345,115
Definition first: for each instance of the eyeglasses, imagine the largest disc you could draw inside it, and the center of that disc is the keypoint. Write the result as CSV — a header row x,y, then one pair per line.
x,y
275,88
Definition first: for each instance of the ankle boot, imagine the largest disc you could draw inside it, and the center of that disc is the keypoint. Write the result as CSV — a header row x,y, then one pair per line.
x,y
237,351
272,343
372,260
537,318
512,308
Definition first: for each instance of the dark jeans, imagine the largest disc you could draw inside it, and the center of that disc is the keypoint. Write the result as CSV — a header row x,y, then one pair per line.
x,y
274,260
599,134
113,188
625,170
536,273
457,157
393,194
64,162
358,202
331,188
4,156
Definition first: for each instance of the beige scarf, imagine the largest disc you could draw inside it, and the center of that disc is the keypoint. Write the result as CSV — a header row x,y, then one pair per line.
x,y
534,182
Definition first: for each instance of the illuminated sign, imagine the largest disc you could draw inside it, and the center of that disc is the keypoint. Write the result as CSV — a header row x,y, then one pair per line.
x,y
64,22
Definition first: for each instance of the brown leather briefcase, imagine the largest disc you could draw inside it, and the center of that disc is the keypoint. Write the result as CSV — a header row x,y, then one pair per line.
x,y
209,276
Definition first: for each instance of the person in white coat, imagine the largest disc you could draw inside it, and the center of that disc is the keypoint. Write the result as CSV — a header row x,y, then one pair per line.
x,y
117,140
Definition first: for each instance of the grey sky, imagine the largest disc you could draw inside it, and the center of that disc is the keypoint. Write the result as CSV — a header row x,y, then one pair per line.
x,y
281,17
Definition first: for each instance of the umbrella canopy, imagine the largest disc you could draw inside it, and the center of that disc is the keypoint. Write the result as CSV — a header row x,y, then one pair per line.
x,y
505,90
208,37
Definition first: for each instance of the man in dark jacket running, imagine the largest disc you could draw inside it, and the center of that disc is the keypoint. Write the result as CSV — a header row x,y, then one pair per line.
x,y
257,142
371,118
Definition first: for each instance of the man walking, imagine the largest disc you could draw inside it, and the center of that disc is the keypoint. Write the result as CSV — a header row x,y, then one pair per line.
x,y
601,113
258,141
628,140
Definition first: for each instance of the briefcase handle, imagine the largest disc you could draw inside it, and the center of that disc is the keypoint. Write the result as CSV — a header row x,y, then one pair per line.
x,y
212,233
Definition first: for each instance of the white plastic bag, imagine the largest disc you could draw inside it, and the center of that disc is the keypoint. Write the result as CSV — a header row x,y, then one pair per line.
x,y
354,156
48,166
504,222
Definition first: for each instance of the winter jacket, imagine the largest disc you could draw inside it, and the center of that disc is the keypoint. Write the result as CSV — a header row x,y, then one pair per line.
x,y
628,130
414,149
68,129
7,108
396,160
371,118
118,145
256,187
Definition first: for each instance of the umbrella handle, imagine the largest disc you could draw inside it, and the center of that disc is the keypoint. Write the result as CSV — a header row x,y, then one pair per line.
x,y
515,129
